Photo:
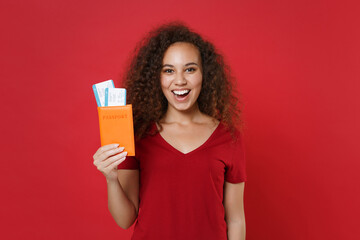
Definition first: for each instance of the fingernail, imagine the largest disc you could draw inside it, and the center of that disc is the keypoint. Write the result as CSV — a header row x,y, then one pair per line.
x,y
121,148
116,145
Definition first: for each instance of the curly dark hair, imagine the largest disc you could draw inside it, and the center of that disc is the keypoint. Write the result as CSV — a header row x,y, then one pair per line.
x,y
142,79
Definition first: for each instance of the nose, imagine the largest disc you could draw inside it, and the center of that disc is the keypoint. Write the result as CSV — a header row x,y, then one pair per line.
x,y
180,79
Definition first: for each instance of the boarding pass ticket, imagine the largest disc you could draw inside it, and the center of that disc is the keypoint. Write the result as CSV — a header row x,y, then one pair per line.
x,y
107,95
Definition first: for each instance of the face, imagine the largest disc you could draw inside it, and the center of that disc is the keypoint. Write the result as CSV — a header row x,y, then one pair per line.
x,y
181,76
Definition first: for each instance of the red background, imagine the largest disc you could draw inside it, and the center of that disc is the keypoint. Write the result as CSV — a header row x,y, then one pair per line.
x,y
297,65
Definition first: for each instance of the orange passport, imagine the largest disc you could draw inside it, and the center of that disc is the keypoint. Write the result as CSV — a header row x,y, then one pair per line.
x,y
116,126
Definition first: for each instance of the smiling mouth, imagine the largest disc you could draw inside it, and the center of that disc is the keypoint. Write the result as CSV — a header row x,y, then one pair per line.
x,y
181,93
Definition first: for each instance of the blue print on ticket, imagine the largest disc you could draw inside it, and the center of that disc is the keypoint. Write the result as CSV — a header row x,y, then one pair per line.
x,y
99,91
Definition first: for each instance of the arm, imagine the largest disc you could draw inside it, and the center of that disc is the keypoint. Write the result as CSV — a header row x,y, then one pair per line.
x,y
123,197
122,185
234,210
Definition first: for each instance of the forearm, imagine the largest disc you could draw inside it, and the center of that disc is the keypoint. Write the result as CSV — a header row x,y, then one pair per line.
x,y
121,208
236,230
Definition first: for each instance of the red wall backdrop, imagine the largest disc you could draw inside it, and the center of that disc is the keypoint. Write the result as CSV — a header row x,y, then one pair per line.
x,y
297,65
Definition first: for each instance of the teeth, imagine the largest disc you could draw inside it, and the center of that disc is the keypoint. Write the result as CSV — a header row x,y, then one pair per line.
x,y
181,92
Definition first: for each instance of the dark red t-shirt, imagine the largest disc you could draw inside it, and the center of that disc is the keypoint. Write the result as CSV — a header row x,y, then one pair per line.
x,y
181,195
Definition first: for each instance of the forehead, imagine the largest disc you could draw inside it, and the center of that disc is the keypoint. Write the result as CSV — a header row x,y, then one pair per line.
x,y
182,52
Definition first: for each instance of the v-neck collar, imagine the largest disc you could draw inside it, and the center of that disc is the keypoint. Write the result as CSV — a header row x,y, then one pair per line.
x,y
175,150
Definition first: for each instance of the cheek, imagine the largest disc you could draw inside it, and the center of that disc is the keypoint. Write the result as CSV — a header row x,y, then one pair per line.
x,y
165,82
198,81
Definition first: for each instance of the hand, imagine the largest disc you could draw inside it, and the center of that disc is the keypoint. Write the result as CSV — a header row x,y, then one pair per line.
x,y
107,158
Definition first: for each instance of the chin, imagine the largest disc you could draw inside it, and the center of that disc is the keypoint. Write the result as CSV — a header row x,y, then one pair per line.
x,y
183,107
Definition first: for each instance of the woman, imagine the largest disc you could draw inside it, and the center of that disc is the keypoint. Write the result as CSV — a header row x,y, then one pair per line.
x,y
188,174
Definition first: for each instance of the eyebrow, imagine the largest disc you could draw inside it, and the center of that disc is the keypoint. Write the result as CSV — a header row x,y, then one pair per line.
x,y
190,63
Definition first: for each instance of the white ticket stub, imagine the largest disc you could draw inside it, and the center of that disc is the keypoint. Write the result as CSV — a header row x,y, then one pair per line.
x,y
115,97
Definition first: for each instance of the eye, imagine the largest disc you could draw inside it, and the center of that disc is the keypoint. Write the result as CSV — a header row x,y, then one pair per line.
x,y
168,70
190,69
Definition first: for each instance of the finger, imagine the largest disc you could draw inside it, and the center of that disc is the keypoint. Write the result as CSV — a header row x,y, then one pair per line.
x,y
110,152
112,159
106,154
105,148
115,164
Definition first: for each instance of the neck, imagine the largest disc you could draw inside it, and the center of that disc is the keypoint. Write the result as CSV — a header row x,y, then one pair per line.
x,y
191,115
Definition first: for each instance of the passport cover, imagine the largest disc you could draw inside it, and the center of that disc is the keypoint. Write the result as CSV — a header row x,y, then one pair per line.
x,y
116,126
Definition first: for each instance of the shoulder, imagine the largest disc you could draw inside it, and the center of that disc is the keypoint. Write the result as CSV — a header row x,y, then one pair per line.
x,y
148,137
232,133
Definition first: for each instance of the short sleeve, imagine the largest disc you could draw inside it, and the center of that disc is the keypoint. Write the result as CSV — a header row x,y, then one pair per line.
x,y
236,169
129,163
